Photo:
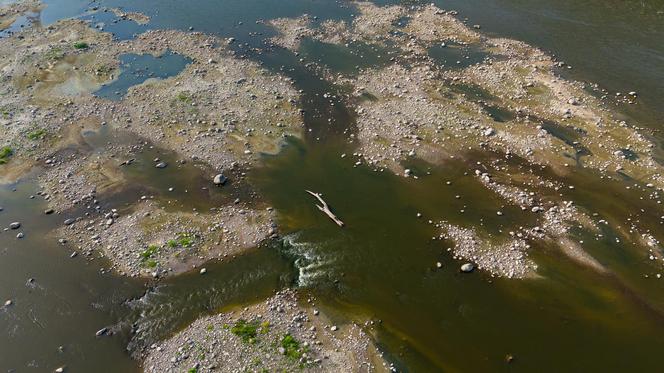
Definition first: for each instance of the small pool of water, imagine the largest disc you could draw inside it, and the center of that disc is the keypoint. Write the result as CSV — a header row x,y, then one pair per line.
x,y
347,59
107,21
24,21
456,56
137,68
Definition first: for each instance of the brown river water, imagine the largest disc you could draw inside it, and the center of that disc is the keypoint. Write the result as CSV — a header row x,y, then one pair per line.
x,y
382,265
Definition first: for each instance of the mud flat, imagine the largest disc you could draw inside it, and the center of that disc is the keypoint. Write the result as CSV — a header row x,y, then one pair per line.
x,y
279,334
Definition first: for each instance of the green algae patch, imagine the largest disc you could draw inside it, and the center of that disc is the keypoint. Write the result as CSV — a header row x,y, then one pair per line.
x,y
5,153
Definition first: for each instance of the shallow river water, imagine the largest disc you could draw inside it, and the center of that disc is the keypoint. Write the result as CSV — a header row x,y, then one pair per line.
x,y
382,266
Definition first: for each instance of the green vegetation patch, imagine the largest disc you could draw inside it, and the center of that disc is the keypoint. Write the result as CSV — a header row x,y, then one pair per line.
x,y
265,327
247,330
146,256
37,134
183,240
5,153
291,347
81,45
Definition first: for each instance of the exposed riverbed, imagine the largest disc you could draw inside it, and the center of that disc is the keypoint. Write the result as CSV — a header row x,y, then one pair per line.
x,y
396,116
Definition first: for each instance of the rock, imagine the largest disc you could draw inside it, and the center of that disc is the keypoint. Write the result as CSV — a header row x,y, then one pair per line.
x,y
467,267
60,370
8,302
161,165
203,271
220,179
489,132
334,328
20,235
282,351
70,221
49,211
15,225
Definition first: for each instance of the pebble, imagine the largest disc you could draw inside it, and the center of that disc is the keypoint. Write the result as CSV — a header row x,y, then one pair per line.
x,y
467,267
8,302
69,221
15,225
161,165
203,271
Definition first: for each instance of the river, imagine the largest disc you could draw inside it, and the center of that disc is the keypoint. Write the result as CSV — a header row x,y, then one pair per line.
x,y
382,265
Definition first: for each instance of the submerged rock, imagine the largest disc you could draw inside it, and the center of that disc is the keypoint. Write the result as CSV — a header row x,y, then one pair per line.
x,y
467,267
161,165
15,225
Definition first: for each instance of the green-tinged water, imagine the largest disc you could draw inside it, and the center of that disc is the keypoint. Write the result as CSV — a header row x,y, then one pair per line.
x,y
382,264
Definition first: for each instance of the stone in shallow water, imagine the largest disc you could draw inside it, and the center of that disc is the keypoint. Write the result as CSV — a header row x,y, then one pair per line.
x,y
467,267
15,225
161,165
220,179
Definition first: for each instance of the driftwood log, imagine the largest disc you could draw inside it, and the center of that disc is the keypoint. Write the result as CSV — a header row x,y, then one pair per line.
x,y
326,209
